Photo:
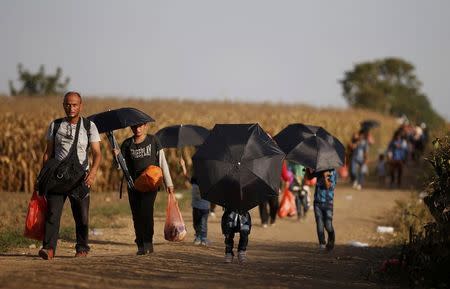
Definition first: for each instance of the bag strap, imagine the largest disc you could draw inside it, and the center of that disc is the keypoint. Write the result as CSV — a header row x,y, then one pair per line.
x,y
87,127
56,125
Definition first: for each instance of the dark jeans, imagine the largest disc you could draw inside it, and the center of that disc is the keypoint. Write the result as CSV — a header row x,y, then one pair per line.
x,y
324,218
200,220
243,241
273,208
396,168
80,212
141,205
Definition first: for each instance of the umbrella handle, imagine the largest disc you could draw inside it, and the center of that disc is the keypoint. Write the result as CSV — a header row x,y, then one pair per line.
x,y
114,145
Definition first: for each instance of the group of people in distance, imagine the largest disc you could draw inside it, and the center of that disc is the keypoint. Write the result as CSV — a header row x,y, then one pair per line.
x,y
407,144
140,151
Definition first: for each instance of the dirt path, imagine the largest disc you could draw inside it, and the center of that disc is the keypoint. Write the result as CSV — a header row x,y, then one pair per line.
x,y
282,256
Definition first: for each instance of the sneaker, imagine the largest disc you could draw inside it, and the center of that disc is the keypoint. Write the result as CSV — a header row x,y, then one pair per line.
x,y
46,254
140,251
228,258
242,257
205,242
322,246
359,187
264,225
81,254
197,241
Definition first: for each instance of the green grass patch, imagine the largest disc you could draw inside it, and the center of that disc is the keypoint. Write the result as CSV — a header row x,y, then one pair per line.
x,y
67,233
12,238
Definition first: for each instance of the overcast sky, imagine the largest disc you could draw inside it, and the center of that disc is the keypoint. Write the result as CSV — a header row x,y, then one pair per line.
x,y
288,51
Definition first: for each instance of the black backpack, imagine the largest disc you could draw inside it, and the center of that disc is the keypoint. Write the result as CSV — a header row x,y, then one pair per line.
x,y
62,176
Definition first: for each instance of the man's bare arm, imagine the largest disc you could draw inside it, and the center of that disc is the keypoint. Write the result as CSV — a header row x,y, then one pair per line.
x,y
97,157
48,152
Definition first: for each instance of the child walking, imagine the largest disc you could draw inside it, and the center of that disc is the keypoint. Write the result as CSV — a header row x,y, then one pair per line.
x,y
323,206
200,210
234,221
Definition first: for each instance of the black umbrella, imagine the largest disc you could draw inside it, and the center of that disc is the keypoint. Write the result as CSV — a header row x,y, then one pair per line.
x,y
178,136
111,120
238,166
311,146
369,124
119,118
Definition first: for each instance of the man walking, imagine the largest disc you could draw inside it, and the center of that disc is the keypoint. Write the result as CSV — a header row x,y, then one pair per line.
x,y
61,134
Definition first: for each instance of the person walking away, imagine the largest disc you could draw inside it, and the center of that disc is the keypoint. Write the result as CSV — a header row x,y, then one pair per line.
x,y
397,152
299,189
200,210
323,205
235,221
273,203
141,151
359,160
61,134
381,170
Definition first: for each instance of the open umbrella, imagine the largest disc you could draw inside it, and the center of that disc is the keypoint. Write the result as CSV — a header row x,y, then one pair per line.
x,y
311,146
177,136
369,124
111,120
238,166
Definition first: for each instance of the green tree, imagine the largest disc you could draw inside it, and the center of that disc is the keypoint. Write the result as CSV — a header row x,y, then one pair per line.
x,y
39,83
389,86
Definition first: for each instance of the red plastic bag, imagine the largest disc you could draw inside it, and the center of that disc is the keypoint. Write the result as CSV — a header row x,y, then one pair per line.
x,y
35,221
174,228
287,204
310,182
343,172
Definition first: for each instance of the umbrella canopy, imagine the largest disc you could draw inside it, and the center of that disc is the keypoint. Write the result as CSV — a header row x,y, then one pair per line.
x,y
111,120
178,136
369,124
119,118
311,146
238,166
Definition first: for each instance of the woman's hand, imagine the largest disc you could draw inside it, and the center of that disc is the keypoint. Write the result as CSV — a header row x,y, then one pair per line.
x,y
170,190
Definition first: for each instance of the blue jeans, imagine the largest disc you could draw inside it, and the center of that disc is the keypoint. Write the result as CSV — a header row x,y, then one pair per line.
x,y
200,220
301,201
324,219
357,171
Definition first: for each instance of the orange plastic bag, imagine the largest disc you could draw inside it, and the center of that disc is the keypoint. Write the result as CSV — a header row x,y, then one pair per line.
x,y
287,204
149,180
174,228
35,221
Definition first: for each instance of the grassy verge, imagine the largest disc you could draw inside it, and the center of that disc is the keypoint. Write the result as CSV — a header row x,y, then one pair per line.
x,y
106,211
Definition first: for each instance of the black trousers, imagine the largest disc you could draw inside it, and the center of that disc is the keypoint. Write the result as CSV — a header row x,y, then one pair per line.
x,y
141,205
80,212
273,208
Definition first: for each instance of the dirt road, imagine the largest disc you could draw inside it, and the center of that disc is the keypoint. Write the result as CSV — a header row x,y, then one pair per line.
x,y
285,255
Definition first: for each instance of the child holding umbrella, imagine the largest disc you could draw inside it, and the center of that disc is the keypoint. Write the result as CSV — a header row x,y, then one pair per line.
x,y
323,205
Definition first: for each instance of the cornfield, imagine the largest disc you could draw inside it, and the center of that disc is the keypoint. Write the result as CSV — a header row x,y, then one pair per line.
x,y
24,122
